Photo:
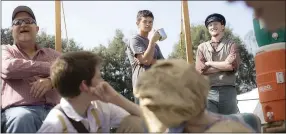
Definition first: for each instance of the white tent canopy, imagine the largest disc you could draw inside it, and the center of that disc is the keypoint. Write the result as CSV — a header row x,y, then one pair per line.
x,y
249,103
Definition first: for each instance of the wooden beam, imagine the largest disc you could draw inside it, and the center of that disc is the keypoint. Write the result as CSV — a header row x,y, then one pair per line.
x,y
58,36
187,31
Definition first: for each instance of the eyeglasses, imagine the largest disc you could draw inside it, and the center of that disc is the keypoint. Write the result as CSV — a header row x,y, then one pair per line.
x,y
21,21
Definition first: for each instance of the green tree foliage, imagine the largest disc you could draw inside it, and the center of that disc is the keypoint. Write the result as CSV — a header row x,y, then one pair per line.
x,y
6,36
116,68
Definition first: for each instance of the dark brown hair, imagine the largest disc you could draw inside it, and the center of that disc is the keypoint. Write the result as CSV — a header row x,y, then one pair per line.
x,y
70,69
144,13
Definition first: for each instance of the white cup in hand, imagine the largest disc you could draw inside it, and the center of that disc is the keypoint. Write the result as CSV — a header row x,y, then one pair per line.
x,y
162,34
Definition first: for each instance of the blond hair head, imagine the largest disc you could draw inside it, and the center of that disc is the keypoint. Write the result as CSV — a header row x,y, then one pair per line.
x,y
171,92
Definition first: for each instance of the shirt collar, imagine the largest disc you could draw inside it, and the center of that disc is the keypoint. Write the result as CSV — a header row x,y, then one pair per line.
x,y
38,48
69,110
221,43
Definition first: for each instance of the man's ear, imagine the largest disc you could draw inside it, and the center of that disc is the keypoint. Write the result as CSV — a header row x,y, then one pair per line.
x,y
137,23
37,28
83,86
223,27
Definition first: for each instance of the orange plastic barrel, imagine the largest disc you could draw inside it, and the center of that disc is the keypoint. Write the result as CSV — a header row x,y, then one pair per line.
x,y
270,78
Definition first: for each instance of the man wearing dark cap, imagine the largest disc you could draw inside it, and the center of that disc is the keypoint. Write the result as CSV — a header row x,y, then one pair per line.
x,y
27,92
218,59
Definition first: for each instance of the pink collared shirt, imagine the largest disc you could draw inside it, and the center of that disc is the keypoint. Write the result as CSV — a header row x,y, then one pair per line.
x,y
18,71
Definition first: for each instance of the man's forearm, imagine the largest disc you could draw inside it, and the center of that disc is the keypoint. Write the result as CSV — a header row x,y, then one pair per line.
x,y
153,61
149,53
35,78
21,68
129,106
222,65
210,70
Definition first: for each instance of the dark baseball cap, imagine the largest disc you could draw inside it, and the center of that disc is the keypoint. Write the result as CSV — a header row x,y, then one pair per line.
x,y
23,9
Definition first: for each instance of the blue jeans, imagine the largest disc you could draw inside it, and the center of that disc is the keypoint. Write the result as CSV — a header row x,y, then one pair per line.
x,y
24,119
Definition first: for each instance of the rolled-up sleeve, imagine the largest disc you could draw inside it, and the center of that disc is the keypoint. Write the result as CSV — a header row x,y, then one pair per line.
x,y
200,60
233,58
137,46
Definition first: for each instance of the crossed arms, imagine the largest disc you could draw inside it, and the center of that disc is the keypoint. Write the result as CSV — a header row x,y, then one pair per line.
x,y
205,67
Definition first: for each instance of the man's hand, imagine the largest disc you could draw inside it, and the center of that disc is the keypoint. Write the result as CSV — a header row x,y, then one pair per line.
x,y
155,37
220,65
40,87
137,61
104,92
210,70
208,63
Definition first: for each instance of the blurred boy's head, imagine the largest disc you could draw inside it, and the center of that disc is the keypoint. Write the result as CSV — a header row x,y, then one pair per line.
x,y
73,73
171,92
